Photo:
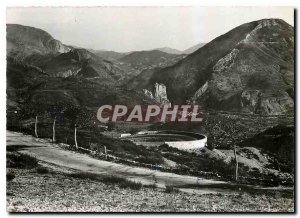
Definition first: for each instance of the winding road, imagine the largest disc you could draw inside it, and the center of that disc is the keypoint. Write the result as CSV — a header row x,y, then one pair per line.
x,y
53,154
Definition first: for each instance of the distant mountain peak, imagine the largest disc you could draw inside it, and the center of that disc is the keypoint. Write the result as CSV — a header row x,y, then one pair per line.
x,y
24,41
193,48
248,69
169,50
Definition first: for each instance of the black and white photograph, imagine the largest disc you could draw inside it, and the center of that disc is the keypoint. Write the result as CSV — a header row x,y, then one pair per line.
x,y
150,109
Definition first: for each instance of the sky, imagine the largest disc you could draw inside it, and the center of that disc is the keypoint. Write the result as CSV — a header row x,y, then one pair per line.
x,y
126,29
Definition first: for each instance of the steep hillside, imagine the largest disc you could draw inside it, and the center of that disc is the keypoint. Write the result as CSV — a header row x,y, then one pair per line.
x,y
30,87
83,61
193,48
170,50
250,69
142,79
109,55
25,41
43,73
85,92
38,48
20,79
143,60
278,141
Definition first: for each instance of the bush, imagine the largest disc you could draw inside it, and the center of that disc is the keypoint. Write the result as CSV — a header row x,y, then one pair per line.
x,y
112,179
42,170
150,159
171,189
10,176
22,161
131,185
83,175
153,186
122,182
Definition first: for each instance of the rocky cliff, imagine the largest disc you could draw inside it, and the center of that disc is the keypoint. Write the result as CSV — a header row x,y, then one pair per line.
x,y
248,69
37,47
256,76
25,41
160,93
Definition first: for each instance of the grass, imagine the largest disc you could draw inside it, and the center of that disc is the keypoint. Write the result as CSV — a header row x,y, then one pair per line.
x,y
108,179
33,192
152,186
171,189
92,138
131,185
24,161
83,175
42,170
10,176
36,192
19,160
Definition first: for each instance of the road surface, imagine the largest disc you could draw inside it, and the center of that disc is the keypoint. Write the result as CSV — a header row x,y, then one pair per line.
x,y
54,155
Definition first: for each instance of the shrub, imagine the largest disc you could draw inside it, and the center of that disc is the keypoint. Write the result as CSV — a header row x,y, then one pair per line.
x,y
150,159
42,170
122,182
83,175
23,161
171,189
131,185
153,186
112,179
10,176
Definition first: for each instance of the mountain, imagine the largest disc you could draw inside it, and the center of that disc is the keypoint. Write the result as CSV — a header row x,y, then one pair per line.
x,y
81,62
20,79
142,80
113,56
138,61
25,41
42,72
248,69
278,140
143,60
38,48
108,55
29,86
193,48
169,50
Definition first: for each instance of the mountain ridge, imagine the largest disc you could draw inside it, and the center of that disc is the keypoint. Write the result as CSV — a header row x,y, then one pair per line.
x,y
233,65
193,48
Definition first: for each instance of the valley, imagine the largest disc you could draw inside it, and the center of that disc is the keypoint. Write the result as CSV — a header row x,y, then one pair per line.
x,y
243,81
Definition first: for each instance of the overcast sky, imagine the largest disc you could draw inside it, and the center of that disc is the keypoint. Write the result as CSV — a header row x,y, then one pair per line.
x,y
142,28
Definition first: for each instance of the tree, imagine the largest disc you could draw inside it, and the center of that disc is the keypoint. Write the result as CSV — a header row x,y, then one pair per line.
x,y
55,112
35,126
53,130
232,131
33,110
79,117
72,113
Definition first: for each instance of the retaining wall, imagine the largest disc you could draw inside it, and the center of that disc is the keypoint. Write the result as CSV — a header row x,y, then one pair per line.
x,y
197,141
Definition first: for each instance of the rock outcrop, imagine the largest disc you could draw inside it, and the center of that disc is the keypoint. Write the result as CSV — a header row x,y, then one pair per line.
x,y
148,93
37,47
25,41
160,93
200,91
249,69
